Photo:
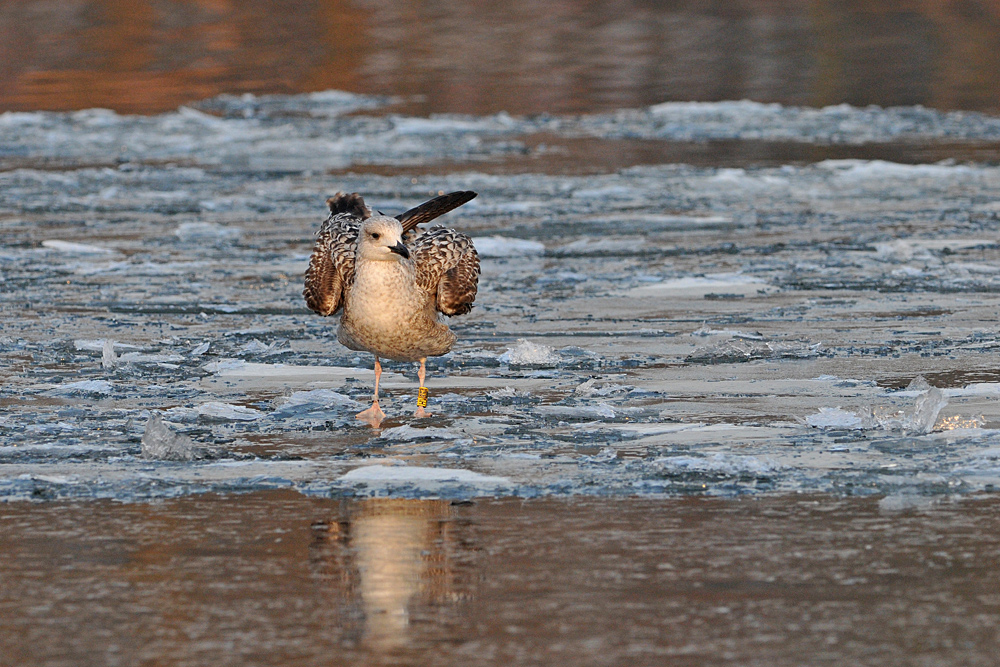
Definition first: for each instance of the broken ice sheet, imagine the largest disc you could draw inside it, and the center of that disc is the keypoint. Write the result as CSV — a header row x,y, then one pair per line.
x,y
214,410
407,433
99,387
718,463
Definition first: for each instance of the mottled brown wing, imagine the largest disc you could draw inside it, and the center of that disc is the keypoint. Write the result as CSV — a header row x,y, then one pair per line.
x,y
448,267
331,267
434,208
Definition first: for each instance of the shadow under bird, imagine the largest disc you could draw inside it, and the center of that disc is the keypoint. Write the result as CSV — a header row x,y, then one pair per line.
x,y
393,280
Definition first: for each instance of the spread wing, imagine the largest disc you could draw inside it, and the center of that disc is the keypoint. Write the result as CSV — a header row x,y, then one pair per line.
x,y
331,267
448,267
434,208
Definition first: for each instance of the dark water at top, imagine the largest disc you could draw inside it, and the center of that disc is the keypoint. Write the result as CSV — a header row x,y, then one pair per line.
x,y
146,56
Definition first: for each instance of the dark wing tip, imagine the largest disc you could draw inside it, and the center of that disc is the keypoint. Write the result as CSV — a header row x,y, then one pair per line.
x,y
434,208
353,204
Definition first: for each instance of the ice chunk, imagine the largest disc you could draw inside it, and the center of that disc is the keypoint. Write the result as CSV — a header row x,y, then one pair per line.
x,y
409,433
740,350
76,248
315,400
730,283
599,411
718,463
200,349
255,347
140,358
504,392
834,418
108,358
919,421
215,410
224,365
225,411
925,413
160,442
705,330
528,353
97,345
501,246
85,387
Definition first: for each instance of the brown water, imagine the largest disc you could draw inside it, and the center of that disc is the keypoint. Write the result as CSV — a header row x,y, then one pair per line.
x,y
281,579
145,56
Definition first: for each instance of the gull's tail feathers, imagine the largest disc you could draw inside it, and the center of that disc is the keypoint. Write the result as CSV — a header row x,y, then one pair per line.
x,y
433,208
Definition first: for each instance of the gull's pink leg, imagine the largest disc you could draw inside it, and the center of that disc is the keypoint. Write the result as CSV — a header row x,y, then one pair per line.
x,y
422,392
373,416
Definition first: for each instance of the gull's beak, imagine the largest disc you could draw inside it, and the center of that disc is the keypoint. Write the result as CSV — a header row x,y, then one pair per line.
x,y
400,249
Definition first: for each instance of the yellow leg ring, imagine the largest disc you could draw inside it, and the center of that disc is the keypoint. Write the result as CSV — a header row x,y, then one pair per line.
x,y
422,397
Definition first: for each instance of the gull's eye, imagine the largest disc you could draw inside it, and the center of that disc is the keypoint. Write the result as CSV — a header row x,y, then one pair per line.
x,y
375,236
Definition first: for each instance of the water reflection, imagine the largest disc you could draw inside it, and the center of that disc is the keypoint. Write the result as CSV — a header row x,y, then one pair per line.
x,y
390,559
516,55
242,579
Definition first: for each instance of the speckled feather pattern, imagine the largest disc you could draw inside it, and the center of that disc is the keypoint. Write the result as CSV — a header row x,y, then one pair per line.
x,y
391,309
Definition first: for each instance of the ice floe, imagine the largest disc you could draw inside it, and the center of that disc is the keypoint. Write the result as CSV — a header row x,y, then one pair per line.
x,y
214,410
502,246
729,283
99,387
71,247
420,476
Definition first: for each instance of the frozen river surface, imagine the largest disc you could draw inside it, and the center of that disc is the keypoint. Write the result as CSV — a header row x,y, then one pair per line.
x,y
660,329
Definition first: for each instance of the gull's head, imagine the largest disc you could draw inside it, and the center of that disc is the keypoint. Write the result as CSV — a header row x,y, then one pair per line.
x,y
381,239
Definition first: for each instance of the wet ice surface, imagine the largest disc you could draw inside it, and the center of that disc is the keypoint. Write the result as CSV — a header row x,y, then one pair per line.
x,y
659,330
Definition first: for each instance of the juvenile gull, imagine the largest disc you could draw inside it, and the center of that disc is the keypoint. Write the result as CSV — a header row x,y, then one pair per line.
x,y
392,279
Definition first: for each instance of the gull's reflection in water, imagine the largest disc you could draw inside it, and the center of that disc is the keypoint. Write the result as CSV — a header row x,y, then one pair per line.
x,y
391,557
